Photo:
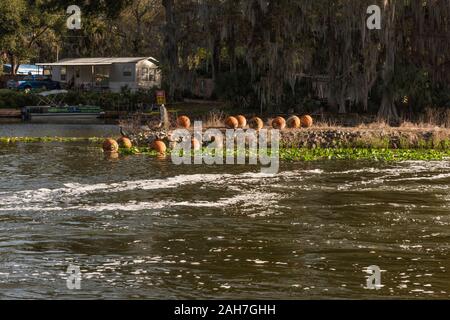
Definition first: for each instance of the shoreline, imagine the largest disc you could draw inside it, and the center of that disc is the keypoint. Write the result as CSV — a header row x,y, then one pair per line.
x,y
305,146
317,137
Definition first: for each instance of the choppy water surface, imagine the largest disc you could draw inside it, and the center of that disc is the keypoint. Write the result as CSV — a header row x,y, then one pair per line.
x,y
140,227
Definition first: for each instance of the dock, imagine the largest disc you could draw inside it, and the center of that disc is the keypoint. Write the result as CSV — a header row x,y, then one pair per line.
x,y
10,113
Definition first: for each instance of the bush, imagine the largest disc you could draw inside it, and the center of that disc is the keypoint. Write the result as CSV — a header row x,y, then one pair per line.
x,y
16,99
107,100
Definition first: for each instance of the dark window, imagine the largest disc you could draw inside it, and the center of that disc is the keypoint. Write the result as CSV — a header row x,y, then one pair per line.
x,y
126,71
63,73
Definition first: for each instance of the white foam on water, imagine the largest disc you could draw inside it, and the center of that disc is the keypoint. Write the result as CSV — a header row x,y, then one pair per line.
x,y
250,194
244,200
400,168
73,190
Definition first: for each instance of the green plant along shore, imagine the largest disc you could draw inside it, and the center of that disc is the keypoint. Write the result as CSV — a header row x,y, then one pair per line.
x,y
306,154
286,154
8,140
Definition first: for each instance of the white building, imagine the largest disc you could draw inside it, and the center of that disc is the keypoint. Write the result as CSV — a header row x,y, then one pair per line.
x,y
107,73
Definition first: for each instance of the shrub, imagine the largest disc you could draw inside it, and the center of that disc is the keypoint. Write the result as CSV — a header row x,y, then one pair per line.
x,y
107,100
16,99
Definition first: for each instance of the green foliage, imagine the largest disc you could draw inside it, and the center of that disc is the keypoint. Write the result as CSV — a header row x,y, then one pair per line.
x,y
16,99
22,26
324,154
11,140
235,87
364,154
106,100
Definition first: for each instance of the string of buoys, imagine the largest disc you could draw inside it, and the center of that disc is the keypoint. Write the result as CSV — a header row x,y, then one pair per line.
x,y
242,121
111,146
256,123
294,122
124,143
232,123
279,123
184,122
159,146
307,121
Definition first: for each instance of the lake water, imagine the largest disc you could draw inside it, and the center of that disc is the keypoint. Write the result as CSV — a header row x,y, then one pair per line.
x,y
140,227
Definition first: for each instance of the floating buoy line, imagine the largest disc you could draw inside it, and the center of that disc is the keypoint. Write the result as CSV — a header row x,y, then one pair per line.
x,y
232,122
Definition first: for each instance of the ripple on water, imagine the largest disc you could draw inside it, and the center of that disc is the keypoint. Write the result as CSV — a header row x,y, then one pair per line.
x,y
178,232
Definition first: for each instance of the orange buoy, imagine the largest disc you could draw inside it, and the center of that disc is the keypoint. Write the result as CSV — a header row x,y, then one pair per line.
x,y
195,144
307,121
256,123
232,123
279,123
242,121
159,146
184,122
110,145
124,143
294,122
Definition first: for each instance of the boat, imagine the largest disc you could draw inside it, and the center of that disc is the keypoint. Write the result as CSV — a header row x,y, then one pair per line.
x,y
64,112
51,107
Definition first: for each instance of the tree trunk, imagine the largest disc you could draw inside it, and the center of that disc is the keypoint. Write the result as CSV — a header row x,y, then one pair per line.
x,y
14,63
216,57
388,111
232,49
171,47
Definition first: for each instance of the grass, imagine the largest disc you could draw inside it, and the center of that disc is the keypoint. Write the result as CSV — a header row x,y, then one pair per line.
x,y
320,154
379,153
363,154
7,140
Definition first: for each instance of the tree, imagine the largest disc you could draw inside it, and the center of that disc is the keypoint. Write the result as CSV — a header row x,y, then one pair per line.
x,y
23,25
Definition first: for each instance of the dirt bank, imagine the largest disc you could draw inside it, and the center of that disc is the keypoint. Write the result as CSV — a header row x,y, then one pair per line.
x,y
394,138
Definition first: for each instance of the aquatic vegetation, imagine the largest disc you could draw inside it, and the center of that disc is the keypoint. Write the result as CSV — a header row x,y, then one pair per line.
x,y
320,154
305,154
357,151
7,140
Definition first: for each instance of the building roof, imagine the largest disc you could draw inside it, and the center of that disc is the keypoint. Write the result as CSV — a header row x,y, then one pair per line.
x,y
95,61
